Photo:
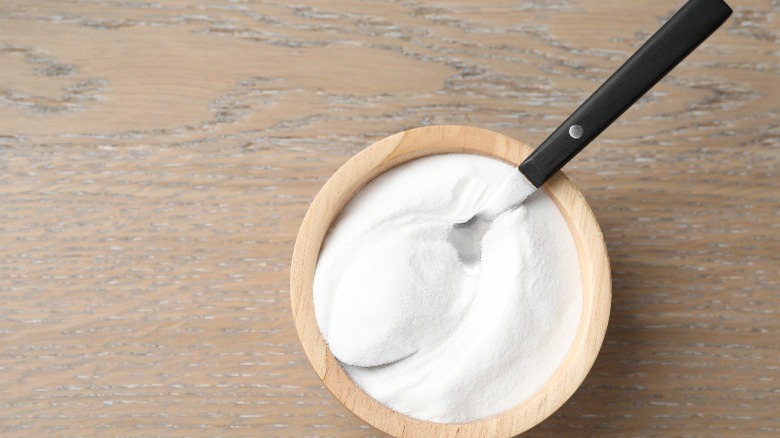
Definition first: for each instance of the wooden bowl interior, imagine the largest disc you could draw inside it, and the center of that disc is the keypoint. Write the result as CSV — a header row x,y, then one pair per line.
x,y
406,146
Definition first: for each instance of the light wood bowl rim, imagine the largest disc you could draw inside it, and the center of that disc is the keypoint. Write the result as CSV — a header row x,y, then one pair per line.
x,y
397,149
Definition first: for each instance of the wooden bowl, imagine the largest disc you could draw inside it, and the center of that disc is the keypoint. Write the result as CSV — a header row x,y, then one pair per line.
x,y
397,149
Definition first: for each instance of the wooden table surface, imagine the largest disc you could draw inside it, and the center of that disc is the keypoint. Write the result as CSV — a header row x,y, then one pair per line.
x,y
157,158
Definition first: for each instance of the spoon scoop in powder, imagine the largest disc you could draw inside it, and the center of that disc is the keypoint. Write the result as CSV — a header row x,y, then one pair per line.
x,y
675,40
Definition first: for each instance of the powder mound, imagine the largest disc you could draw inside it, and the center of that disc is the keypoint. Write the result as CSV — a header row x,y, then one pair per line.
x,y
388,300
418,331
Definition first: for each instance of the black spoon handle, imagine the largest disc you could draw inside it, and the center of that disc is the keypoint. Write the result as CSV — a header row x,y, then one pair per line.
x,y
687,28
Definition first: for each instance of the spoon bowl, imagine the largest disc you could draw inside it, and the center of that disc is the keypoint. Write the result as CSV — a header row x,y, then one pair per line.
x,y
466,236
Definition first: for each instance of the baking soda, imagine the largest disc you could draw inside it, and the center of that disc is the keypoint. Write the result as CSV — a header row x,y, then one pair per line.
x,y
425,334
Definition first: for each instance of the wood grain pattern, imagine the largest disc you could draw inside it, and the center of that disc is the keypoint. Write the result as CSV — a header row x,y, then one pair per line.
x,y
157,158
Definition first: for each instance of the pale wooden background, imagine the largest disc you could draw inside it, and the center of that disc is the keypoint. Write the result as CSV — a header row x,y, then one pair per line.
x,y
156,160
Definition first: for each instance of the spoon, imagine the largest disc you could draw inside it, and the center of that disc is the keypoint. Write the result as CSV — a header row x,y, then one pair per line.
x,y
688,28
675,40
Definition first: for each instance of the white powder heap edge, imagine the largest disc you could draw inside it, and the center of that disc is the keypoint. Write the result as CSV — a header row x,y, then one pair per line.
x,y
389,286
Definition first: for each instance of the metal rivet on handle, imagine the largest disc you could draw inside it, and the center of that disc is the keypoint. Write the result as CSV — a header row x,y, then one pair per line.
x,y
575,131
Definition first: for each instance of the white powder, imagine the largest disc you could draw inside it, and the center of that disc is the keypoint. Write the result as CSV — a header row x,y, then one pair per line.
x,y
460,344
